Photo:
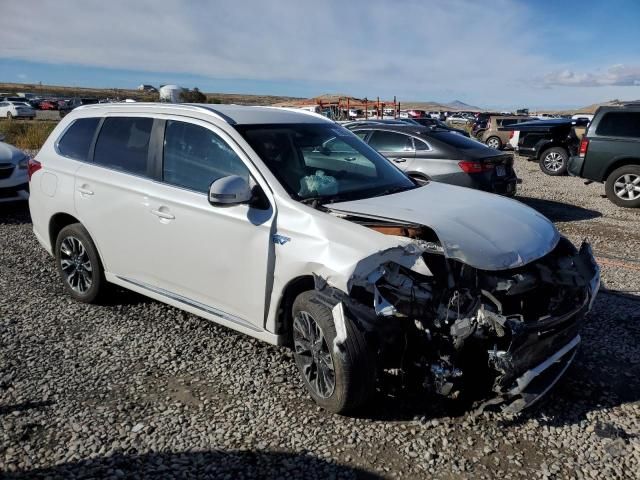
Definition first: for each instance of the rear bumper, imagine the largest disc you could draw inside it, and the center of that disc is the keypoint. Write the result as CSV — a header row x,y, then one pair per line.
x,y
14,193
574,166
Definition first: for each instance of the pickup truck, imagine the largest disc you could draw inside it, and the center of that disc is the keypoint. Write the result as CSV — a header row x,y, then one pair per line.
x,y
549,142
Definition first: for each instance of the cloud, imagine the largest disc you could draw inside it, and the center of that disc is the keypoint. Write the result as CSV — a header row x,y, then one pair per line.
x,y
616,75
367,47
22,76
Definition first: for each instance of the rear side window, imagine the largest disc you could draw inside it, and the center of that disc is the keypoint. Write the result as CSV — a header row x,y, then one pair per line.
x,y
76,141
194,157
620,124
390,141
123,144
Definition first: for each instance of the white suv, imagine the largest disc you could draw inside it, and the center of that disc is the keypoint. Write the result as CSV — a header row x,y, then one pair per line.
x,y
286,226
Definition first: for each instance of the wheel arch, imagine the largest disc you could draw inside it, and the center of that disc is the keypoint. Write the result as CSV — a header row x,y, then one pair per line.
x,y
57,222
294,288
617,163
62,219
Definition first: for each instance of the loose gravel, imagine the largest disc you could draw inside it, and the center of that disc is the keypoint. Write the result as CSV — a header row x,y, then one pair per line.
x,y
136,389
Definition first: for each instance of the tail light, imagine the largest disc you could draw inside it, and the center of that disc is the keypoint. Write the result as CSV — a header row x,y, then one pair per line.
x,y
475,167
511,134
584,145
32,167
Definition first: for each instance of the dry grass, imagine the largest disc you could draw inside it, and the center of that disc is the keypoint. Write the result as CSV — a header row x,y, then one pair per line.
x,y
27,135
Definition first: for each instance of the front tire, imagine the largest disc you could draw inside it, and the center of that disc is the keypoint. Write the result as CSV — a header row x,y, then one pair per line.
x,y
623,186
338,378
554,161
79,265
9,116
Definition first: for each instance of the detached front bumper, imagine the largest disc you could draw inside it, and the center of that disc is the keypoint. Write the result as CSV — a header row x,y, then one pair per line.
x,y
528,370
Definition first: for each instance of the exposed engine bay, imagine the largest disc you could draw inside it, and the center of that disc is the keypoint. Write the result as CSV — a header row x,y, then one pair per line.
x,y
451,325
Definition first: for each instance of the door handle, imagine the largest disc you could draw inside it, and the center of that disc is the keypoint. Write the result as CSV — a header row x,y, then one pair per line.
x,y
85,191
399,160
350,159
163,214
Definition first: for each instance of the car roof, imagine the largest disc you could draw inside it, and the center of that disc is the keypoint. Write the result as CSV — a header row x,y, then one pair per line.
x,y
401,128
232,114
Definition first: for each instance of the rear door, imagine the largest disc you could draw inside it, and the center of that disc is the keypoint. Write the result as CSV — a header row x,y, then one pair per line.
x,y
396,146
111,196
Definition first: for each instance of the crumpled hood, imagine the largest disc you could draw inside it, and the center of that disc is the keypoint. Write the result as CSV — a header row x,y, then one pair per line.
x,y
483,230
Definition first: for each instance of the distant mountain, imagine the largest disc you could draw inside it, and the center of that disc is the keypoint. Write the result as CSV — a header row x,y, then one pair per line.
x,y
458,105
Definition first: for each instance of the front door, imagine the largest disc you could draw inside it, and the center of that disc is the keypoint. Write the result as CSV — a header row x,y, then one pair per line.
x,y
214,258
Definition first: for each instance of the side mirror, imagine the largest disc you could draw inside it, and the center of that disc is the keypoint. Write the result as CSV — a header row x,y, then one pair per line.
x,y
231,190
1,137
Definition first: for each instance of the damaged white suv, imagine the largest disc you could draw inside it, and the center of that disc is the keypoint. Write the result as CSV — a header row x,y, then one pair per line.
x,y
285,226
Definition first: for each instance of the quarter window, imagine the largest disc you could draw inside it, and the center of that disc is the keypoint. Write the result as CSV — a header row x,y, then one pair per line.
x,y
194,157
123,144
390,141
620,124
76,141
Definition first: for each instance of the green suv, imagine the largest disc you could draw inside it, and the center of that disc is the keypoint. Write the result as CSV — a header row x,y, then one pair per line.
x,y
610,153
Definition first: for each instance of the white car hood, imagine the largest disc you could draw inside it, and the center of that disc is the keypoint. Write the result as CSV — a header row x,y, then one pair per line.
x,y
483,230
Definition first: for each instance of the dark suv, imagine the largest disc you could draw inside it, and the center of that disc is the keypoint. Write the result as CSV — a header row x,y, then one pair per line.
x,y
610,153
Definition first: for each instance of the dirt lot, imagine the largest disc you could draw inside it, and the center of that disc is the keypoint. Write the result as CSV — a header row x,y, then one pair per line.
x,y
138,389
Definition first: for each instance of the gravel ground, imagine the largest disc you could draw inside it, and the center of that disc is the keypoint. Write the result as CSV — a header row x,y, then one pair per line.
x,y
135,388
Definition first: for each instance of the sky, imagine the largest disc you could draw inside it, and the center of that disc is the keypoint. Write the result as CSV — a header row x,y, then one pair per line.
x,y
489,53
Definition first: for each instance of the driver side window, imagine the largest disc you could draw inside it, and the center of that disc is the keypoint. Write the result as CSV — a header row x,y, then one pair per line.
x,y
194,157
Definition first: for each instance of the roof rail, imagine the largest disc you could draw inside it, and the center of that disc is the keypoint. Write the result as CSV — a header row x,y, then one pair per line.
x,y
180,106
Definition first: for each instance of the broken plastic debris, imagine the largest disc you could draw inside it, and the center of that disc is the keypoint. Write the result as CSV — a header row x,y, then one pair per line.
x,y
341,328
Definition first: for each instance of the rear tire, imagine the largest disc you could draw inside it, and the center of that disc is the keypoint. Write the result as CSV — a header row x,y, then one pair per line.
x,y
554,161
79,265
623,186
494,142
338,378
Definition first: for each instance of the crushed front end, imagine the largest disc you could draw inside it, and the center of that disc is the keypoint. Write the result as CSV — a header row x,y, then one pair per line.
x,y
453,327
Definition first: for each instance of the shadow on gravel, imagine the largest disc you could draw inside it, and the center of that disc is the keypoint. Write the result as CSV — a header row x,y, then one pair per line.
x,y
558,211
14,213
214,464
23,407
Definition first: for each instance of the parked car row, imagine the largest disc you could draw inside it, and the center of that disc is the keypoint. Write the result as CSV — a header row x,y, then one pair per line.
x,y
368,271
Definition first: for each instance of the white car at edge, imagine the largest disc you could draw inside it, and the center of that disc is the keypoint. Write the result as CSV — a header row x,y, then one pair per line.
x,y
286,226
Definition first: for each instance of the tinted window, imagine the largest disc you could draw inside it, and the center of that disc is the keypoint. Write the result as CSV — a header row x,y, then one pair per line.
x,y
390,141
194,157
123,144
456,140
420,145
620,124
76,141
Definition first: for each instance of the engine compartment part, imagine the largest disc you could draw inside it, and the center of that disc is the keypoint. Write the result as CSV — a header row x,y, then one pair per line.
x,y
446,324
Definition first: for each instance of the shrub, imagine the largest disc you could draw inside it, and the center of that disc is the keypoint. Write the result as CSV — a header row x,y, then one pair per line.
x,y
27,135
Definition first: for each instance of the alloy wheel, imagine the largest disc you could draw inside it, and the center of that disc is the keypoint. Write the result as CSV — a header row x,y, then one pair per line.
x,y
76,265
627,186
313,352
493,143
553,161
